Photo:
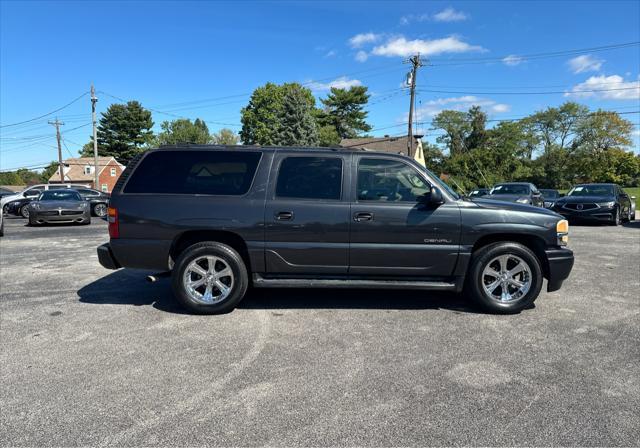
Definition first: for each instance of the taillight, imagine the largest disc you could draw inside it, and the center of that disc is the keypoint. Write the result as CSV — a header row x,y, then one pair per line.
x,y
114,229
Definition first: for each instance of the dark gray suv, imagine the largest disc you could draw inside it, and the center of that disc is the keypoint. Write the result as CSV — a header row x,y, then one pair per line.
x,y
220,219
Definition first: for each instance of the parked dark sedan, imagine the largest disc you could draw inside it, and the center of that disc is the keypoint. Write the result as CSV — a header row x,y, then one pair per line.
x,y
479,192
596,202
98,200
19,207
59,206
520,192
550,196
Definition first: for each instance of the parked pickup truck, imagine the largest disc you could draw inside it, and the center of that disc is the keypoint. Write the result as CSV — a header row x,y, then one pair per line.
x,y
220,219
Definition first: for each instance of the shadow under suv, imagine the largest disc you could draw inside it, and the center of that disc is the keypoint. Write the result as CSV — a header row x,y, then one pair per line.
x,y
220,219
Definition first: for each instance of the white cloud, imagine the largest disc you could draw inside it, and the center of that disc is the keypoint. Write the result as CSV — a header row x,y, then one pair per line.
x,y
612,87
512,60
399,46
585,63
461,103
342,82
361,56
406,20
359,40
450,15
330,54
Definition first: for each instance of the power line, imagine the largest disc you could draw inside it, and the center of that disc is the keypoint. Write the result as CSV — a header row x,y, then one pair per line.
x,y
530,93
552,54
45,115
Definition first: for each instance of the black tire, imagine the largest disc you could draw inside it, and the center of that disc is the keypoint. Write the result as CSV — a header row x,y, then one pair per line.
x,y
5,209
24,211
474,283
99,210
31,223
230,257
617,219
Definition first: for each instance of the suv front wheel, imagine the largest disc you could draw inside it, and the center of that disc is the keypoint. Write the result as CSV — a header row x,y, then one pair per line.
x,y
504,277
209,278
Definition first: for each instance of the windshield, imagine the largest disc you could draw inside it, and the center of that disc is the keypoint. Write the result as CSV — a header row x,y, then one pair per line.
x,y
510,189
550,193
442,184
591,190
60,195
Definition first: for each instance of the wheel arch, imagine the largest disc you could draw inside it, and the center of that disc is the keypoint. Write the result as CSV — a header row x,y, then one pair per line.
x,y
534,243
191,237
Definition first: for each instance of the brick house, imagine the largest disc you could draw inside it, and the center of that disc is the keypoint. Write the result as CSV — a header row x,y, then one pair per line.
x,y
81,170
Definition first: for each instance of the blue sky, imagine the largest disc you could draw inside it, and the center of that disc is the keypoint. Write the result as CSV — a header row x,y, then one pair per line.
x,y
202,59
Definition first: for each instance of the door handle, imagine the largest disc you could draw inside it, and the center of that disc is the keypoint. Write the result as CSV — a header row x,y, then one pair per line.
x,y
363,216
284,216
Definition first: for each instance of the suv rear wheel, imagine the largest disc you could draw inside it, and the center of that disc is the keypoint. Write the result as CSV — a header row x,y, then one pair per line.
x,y
209,278
504,277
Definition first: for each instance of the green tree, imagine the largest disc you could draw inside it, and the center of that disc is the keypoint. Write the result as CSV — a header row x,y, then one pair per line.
x,y
10,178
344,110
183,130
457,128
48,172
28,177
279,115
328,136
297,122
261,117
225,137
478,135
124,130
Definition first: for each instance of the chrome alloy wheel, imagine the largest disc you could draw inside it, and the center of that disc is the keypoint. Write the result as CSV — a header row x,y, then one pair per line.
x,y
507,278
208,280
100,210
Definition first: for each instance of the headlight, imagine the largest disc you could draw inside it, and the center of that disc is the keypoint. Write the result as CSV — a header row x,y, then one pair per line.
x,y
562,231
522,201
607,204
35,205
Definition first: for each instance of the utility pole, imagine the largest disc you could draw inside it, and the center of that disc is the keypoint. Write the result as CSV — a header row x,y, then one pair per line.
x,y
57,124
415,62
94,100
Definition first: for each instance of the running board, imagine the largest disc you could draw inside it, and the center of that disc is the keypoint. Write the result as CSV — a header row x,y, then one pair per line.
x,y
261,282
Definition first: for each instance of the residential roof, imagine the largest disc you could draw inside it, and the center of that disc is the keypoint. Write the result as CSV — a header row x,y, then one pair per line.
x,y
395,145
76,168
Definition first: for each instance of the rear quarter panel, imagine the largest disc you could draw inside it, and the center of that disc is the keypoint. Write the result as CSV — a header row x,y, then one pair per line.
x,y
149,223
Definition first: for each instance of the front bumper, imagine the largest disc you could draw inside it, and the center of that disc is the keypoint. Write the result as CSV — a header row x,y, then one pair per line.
x,y
106,258
64,216
560,265
597,214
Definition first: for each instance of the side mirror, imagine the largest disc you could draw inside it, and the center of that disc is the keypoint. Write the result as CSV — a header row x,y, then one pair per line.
x,y
431,198
562,195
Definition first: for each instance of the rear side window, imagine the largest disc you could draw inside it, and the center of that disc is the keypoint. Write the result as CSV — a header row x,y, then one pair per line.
x,y
310,178
195,172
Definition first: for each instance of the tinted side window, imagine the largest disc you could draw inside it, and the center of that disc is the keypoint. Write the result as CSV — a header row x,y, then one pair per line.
x,y
195,172
389,180
310,178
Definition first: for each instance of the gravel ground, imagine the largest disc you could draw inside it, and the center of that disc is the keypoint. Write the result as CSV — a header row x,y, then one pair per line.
x,y
96,357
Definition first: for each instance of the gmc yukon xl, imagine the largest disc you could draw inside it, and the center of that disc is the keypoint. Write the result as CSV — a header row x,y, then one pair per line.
x,y
221,219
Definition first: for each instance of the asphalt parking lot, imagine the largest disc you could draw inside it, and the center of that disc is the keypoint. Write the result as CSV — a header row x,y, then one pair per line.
x,y
96,357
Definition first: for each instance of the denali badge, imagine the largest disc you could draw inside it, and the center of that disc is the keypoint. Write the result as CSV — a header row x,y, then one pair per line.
x,y
436,240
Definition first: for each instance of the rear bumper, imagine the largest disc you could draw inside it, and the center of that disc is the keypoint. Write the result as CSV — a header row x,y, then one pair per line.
x,y
560,265
106,258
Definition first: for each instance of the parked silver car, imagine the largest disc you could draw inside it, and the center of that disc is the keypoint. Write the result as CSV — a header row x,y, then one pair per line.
x,y
59,206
